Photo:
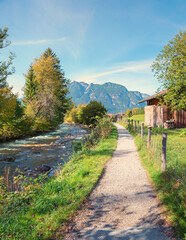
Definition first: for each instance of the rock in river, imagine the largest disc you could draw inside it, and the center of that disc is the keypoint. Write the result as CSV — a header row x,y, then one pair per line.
x,y
8,159
42,169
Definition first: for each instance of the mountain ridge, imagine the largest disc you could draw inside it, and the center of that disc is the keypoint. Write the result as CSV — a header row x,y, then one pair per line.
x,y
115,97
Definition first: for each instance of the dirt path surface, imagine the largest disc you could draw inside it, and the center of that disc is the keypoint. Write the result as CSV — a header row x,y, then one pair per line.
x,y
123,205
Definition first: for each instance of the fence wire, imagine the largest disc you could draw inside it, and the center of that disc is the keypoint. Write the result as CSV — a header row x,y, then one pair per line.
x,y
175,151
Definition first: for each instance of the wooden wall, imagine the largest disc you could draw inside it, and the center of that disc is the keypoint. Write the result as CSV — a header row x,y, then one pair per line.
x,y
180,118
157,115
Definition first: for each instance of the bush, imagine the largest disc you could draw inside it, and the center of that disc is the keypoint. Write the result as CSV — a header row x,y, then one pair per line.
x,y
103,127
102,130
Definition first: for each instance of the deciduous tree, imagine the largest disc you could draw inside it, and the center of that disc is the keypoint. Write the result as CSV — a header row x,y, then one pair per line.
x,y
46,89
91,111
170,69
129,113
8,105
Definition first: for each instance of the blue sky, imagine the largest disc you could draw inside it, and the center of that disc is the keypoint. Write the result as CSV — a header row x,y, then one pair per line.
x,y
96,40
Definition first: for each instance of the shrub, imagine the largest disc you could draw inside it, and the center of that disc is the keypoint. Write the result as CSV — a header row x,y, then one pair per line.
x,y
103,127
102,130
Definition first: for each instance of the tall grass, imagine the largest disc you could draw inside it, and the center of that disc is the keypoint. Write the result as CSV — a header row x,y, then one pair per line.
x,y
171,184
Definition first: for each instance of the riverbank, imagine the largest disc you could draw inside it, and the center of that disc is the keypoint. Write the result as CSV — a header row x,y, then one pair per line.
x,y
37,133
26,135
51,148
40,212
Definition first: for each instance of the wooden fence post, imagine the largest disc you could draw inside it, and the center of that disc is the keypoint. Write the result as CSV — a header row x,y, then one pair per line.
x,y
149,137
138,126
132,123
134,126
142,130
164,143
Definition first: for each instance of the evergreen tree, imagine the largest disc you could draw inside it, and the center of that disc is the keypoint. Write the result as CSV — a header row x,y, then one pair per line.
x,y
30,86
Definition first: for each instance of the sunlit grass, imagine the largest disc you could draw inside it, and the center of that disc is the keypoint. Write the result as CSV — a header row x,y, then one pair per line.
x,y
140,117
49,207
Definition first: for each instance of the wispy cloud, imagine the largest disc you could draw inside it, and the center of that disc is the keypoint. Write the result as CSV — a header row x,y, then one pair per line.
x,y
135,76
36,42
125,67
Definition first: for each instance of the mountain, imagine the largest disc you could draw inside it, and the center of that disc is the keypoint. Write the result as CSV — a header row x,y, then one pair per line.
x,y
115,97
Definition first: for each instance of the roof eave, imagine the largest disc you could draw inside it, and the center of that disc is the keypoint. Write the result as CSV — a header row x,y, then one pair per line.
x,y
153,96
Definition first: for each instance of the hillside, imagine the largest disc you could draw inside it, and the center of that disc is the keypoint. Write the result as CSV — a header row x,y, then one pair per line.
x,y
115,97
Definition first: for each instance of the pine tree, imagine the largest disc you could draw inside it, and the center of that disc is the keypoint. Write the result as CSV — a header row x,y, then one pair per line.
x,y
30,86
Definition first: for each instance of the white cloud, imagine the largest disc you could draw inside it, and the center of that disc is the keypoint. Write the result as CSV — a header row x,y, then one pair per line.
x,y
36,42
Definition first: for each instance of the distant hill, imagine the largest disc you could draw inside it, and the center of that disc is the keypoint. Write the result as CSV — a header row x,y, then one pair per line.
x,y
115,97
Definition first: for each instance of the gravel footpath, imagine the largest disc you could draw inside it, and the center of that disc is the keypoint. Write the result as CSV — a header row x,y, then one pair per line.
x,y
123,205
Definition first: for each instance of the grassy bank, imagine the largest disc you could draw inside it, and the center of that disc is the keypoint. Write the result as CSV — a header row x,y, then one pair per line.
x,y
170,185
41,210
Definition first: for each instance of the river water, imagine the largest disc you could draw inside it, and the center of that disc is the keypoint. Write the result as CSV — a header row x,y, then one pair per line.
x,y
51,148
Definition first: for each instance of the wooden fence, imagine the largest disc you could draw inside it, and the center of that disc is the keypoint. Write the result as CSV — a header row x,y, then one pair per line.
x,y
132,124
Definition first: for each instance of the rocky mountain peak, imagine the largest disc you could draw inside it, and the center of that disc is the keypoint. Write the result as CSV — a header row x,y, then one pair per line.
x,y
115,97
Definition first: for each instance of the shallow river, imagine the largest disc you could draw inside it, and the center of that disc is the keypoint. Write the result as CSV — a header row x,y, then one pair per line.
x,y
51,148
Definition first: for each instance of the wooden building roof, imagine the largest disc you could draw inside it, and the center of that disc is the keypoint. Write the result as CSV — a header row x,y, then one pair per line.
x,y
153,96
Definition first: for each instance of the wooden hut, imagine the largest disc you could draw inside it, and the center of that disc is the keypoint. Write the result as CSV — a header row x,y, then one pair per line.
x,y
161,115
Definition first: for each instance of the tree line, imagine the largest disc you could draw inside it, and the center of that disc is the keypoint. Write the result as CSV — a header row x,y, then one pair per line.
x,y
44,102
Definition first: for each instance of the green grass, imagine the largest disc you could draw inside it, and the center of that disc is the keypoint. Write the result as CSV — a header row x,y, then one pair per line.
x,y
140,117
170,185
42,213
